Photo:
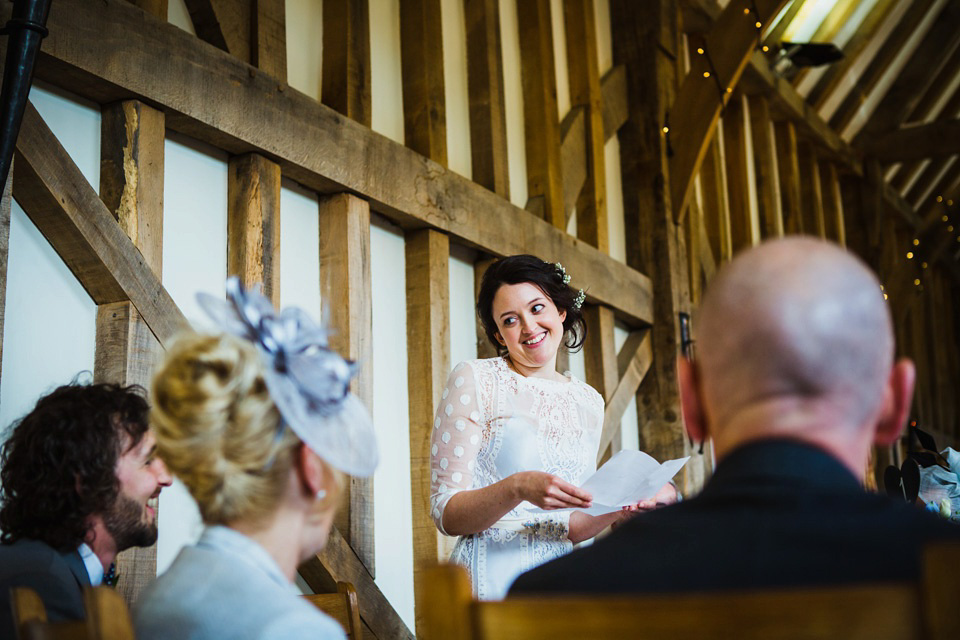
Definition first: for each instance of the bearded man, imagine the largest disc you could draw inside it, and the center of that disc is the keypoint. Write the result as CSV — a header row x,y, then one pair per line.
x,y
79,482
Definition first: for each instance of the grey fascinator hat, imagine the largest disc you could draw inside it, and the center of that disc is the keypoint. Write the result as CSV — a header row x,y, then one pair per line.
x,y
309,382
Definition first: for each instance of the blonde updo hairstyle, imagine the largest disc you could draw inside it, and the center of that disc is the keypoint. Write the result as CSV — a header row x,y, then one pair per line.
x,y
216,429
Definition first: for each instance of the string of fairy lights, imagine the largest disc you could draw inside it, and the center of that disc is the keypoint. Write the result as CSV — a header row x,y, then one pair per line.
x,y
914,251
723,92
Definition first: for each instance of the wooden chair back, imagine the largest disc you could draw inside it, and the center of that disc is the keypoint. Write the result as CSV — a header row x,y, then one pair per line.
x,y
107,617
342,606
891,611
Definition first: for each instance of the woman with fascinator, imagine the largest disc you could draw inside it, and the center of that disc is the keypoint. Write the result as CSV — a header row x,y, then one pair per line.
x,y
259,424
513,435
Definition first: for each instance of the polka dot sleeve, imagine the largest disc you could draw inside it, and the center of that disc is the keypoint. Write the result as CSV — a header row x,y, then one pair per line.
x,y
457,434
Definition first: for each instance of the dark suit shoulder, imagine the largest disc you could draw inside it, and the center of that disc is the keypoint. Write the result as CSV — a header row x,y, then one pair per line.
x,y
34,564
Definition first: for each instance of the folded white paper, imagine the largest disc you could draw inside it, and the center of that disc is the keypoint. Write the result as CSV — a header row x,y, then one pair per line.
x,y
626,478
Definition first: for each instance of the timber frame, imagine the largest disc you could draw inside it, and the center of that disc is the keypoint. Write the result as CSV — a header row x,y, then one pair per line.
x,y
697,188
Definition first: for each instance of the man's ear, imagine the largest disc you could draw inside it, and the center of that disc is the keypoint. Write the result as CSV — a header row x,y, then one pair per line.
x,y
691,405
898,396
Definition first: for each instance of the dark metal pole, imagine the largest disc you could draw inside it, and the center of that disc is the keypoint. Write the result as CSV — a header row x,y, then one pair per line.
x,y
25,30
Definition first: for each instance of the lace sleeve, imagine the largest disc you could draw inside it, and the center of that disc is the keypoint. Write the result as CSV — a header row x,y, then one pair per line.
x,y
457,432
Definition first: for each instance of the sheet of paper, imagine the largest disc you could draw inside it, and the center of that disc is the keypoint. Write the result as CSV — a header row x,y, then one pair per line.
x,y
627,477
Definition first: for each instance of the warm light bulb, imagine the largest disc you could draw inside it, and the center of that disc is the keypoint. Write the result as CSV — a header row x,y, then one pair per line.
x,y
765,48
917,282
885,296
666,129
757,24
746,12
950,228
700,50
949,203
945,218
706,74
916,242
909,255
923,265
939,198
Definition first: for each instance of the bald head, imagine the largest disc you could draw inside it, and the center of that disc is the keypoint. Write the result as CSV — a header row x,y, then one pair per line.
x,y
796,319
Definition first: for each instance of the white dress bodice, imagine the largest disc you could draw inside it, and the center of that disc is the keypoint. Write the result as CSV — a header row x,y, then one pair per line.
x,y
491,423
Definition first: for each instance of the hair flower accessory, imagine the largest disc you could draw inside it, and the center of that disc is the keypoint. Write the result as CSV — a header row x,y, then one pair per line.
x,y
562,273
309,382
578,301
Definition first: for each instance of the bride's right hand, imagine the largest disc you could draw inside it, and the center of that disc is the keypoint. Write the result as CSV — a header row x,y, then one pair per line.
x,y
548,491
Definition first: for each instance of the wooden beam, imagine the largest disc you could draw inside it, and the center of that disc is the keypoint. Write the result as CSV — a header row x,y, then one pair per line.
x,y
931,180
744,230
600,360
156,8
788,166
639,349
694,114
421,57
811,196
832,203
540,117
584,76
775,34
764,161
6,199
346,291
268,38
303,136
868,80
488,119
614,101
253,223
931,140
916,76
646,41
131,186
716,208
338,563
80,228
428,363
345,79
223,23
695,234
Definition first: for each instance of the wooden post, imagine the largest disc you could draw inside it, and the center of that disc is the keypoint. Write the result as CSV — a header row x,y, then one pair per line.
x,y
268,41
716,208
832,203
421,57
811,197
346,59
253,223
131,186
488,118
156,8
788,166
484,348
226,24
745,233
345,288
764,158
584,74
541,121
600,358
645,39
428,363
5,201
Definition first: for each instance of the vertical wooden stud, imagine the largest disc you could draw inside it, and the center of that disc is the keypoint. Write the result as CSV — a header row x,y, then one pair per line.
x,y
811,197
646,41
600,357
346,291
764,159
131,185
253,223
421,59
584,74
742,229
541,121
715,204
346,59
788,166
268,46
428,363
488,119
832,203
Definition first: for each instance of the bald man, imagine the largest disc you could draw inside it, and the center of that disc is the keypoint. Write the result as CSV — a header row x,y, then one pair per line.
x,y
794,381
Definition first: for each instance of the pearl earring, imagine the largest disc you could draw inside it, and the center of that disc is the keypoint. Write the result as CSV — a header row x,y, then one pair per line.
x,y
320,495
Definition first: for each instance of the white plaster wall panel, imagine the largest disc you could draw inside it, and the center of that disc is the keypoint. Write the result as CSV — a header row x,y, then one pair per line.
x,y
601,11
560,57
178,15
613,178
463,300
194,223
392,502
179,524
49,332
299,249
513,102
455,87
304,20
385,72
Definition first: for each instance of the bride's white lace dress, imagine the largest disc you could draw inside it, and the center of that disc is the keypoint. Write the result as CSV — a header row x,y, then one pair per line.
x,y
491,423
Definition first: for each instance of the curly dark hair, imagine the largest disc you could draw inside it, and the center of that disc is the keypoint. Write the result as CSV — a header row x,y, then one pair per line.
x,y
545,276
58,466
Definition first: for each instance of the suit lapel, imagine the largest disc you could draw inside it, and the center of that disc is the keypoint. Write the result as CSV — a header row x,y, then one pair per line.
x,y
77,568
